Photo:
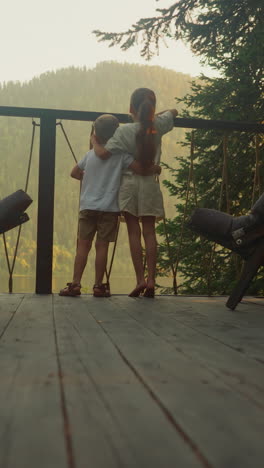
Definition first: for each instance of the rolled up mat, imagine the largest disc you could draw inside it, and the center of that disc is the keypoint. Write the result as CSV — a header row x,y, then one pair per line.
x,y
218,227
212,223
12,210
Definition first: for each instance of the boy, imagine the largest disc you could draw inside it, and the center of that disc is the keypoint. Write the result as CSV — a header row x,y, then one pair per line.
x,y
99,207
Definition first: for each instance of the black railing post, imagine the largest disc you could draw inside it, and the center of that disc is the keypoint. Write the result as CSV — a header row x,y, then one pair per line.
x,y
45,204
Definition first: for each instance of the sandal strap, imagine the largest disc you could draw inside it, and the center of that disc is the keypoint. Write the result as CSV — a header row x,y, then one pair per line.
x,y
73,285
99,286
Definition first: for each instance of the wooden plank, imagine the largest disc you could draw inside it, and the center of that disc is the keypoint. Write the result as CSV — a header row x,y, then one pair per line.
x,y
31,423
223,424
114,419
8,306
242,330
235,369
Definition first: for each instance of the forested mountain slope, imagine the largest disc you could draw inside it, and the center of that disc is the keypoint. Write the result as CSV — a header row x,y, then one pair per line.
x,y
106,88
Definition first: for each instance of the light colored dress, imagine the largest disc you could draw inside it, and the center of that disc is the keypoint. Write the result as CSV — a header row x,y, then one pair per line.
x,y
140,195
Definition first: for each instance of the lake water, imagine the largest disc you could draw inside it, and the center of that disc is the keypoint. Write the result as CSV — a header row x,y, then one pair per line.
x,y
119,285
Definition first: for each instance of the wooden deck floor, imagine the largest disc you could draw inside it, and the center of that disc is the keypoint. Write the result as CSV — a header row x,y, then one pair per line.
x,y
137,383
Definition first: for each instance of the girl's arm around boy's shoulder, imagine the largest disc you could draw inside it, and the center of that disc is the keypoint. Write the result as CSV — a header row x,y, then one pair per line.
x,y
99,149
121,142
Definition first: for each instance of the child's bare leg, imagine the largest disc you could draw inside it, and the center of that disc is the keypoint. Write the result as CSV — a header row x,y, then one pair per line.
x,y
134,236
149,234
101,248
83,248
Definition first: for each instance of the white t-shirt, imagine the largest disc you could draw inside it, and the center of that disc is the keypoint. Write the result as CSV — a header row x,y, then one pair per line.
x,y
101,181
124,138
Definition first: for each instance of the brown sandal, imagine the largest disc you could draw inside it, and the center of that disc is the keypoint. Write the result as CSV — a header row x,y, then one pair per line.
x,y
71,289
101,290
137,291
149,292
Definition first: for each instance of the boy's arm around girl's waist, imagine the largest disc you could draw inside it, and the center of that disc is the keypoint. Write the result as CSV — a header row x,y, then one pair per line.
x,y
135,166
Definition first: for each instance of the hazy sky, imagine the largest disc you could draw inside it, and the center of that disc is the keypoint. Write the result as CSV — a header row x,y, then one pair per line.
x,y
39,36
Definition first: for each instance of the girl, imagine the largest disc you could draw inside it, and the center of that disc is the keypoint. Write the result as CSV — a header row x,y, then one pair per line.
x,y
140,197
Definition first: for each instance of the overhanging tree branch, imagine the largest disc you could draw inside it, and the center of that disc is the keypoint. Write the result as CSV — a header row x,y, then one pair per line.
x,y
214,29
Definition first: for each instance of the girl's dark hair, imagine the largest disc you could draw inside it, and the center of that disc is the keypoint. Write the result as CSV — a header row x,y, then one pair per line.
x,y
143,102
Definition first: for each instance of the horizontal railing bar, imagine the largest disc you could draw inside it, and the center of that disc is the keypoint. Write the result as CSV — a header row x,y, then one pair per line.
x,y
63,114
231,125
57,114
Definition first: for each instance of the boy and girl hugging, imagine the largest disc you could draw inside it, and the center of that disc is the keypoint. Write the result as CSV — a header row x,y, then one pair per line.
x,y
119,175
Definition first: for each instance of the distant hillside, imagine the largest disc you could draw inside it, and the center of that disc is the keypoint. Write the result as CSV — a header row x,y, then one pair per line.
x,y
105,88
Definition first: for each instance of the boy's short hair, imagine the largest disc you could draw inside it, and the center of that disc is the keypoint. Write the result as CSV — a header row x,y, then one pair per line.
x,y
105,126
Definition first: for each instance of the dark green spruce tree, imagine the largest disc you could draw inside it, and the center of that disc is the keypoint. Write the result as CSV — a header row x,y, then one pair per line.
x,y
228,36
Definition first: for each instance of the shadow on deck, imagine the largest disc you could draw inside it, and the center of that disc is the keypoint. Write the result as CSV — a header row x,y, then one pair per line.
x,y
120,382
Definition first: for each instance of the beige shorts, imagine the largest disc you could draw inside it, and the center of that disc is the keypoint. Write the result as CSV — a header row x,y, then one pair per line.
x,y
102,222
141,196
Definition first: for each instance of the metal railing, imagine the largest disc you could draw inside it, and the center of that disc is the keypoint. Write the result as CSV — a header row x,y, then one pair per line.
x,y
47,153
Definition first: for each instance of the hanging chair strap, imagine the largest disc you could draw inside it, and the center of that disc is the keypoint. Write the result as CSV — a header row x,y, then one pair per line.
x,y
108,271
256,191
223,188
59,124
173,271
190,184
9,265
190,181
224,183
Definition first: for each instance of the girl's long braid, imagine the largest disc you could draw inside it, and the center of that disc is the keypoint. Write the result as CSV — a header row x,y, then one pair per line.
x,y
144,101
